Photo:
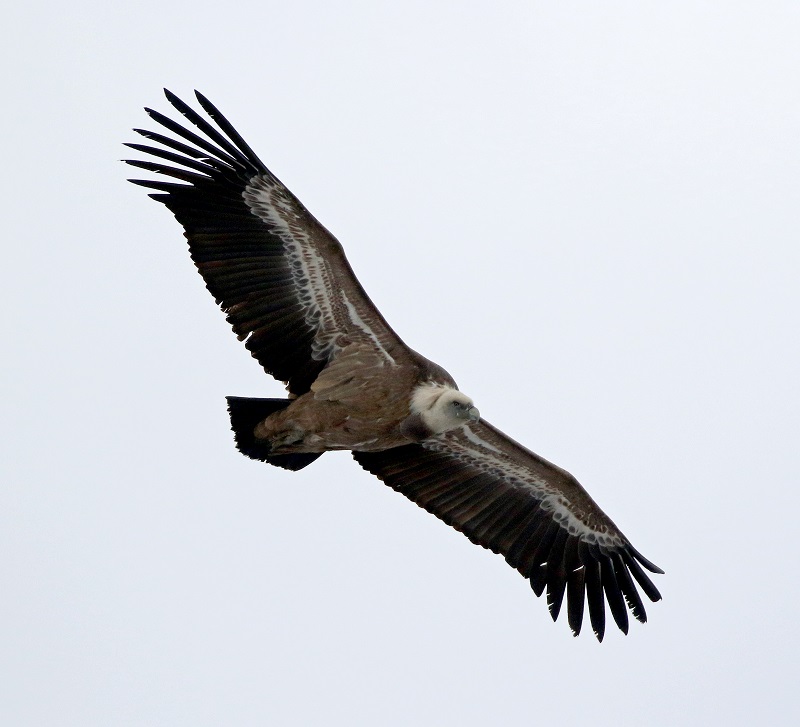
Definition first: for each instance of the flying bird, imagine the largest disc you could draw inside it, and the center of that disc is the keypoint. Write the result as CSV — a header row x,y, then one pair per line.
x,y
289,293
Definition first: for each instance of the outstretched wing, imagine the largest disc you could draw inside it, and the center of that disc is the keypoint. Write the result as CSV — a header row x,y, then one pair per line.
x,y
513,502
280,276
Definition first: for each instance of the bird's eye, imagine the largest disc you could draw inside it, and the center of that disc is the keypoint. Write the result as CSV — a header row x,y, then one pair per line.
x,y
457,404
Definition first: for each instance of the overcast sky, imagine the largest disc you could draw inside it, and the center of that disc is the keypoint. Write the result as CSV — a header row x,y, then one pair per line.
x,y
587,212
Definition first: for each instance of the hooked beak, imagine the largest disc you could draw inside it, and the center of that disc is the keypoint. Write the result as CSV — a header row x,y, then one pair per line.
x,y
473,414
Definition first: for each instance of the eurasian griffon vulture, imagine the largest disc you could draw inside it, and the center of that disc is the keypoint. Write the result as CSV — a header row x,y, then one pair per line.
x,y
291,296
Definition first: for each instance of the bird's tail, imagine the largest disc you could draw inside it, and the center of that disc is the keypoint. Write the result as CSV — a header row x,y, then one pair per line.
x,y
245,414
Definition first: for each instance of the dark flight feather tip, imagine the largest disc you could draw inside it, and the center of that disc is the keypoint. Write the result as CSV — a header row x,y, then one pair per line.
x,y
190,136
613,594
652,567
227,127
215,136
576,594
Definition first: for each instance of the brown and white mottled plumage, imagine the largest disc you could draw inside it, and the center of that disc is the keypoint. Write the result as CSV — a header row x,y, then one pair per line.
x,y
291,296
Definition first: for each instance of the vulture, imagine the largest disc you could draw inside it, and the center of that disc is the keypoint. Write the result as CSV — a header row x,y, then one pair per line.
x,y
291,296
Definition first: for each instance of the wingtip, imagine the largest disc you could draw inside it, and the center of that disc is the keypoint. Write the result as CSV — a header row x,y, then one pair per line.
x,y
652,567
177,102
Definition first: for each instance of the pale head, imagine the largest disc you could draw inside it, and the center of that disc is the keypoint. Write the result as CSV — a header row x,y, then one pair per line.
x,y
442,407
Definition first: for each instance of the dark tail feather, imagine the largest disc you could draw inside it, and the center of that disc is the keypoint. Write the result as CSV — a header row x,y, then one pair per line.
x,y
245,414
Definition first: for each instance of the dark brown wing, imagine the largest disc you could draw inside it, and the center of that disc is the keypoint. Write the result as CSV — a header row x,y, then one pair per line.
x,y
280,276
507,499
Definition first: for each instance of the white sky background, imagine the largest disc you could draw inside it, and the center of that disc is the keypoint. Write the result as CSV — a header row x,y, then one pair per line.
x,y
587,212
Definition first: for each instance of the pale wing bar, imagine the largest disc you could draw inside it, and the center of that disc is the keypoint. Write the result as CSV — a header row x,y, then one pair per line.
x,y
477,490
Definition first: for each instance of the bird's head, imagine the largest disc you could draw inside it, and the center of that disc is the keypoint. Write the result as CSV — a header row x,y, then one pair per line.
x,y
442,408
